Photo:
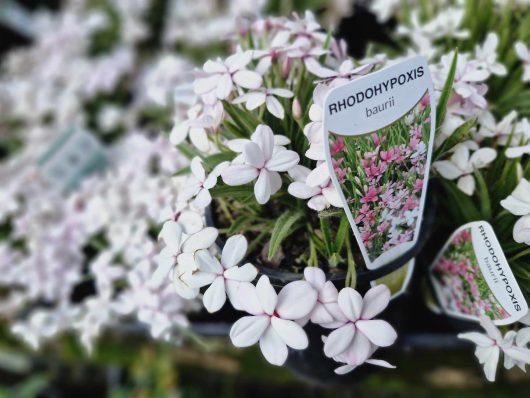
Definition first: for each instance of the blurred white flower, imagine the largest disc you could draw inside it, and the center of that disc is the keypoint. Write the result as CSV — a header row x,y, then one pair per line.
x,y
524,55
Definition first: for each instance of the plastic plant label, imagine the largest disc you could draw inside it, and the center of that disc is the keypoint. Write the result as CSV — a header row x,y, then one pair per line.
x,y
398,280
471,277
70,158
378,137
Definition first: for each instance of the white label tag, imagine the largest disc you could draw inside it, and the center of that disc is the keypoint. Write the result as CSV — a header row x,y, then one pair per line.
x,y
471,277
378,137
70,158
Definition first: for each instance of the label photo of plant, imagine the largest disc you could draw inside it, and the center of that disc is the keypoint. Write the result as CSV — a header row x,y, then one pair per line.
x,y
460,284
382,176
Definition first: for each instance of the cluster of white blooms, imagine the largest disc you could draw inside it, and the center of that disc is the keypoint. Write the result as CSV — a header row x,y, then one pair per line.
x,y
286,48
80,259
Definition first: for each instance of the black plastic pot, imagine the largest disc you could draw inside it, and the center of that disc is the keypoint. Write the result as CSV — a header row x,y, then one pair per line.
x,y
280,278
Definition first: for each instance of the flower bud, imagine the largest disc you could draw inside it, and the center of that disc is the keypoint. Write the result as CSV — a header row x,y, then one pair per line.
x,y
297,109
521,230
286,67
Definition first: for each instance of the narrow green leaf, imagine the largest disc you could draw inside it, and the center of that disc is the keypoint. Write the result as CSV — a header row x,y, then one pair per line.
x,y
485,202
342,233
239,192
326,234
285,225
446,92
239,223
459,135
187,150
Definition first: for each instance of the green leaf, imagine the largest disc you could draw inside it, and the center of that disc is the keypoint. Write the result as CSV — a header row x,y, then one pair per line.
x,y
459,135
326,234
446,92
237,225
209,161
342,233
189,151
485,202
285,226
239,192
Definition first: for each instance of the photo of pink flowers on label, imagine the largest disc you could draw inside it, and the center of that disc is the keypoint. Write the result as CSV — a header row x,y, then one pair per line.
x,y
471,277
463,288
382,177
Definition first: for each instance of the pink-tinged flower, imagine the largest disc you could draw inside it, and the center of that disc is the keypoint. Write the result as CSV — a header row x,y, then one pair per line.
x,y
521,230
461,166
367,236
221,76
338,146
490,345
255,99
418,185
351,361
388,156
224,277
198,185
383,227
347,70
272,320
426,100
359,333
524,55
376,140
179,246
371,195
262,160
326,304
320,197
410,203
518,202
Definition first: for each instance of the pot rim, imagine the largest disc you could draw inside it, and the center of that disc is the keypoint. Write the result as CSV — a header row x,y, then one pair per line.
x,y
364,276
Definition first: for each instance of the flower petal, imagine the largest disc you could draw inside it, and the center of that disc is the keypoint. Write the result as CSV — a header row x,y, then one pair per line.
x,y
253,155
203,239
262,188
267,295
275,107
379,332
351,303
234,250
239,174
171,233
273,348
245,273
215,296
315,276
248,330
247,295
248,79
290,332
375,301
208,263
296,300
339,340
282,160
264,138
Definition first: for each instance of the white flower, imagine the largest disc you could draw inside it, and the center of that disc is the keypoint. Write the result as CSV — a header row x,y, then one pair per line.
x,y
180,248
487,55
345,72
359,333
326,304
519,354
350,360
198,185
521,230
461,165
255,99
272,322
524,55
223,277
262,160
221,76
320,197
503,129
518,203
489,347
